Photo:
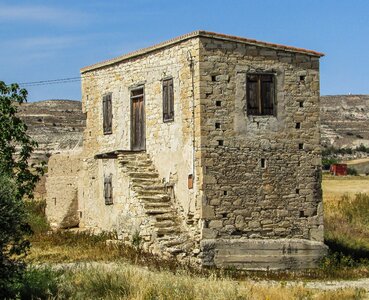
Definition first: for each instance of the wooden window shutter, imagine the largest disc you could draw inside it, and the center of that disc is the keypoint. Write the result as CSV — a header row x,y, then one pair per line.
x,y
108,190
168,100
252,91
267,94
171,99
260,94
107,114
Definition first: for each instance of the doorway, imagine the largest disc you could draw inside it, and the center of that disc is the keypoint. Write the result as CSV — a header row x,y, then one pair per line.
x,y
138,124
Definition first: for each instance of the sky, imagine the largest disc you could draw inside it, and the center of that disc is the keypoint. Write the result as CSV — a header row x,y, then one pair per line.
x,y
48,40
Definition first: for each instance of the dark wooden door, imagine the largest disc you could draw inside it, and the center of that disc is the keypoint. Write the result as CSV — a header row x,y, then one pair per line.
x,y
138,138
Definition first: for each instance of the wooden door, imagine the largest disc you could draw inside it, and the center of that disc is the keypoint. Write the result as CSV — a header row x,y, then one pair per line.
x,y
138,138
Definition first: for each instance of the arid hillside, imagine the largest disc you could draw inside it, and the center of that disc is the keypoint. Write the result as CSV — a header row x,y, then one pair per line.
x,y
55,124
345,120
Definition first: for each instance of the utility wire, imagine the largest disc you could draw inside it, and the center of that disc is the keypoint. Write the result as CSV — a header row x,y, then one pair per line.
x,y
107,73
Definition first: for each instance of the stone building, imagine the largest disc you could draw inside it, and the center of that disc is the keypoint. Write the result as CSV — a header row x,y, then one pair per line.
x,y
206,147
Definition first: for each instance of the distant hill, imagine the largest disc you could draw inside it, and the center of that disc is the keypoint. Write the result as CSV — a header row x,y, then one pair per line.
x,y
345,120
55,124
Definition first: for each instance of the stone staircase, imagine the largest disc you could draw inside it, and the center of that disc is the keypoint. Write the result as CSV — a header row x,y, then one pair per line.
x,y
168,233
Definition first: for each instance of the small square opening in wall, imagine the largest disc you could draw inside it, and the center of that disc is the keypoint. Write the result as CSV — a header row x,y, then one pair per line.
x,y
302,215
302,78
298,125
217,125
218,103
301,103
297,191
220,142
301,146
225,193
263,163
213,78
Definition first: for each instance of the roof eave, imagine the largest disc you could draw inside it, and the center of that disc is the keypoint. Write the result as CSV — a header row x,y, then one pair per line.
x,y
199,33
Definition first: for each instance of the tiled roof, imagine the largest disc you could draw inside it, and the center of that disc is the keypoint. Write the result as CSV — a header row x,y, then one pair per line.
x,y
199,33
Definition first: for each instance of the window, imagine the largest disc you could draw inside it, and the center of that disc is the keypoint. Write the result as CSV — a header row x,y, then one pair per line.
x,y
168,100
108,190
107,114
260,94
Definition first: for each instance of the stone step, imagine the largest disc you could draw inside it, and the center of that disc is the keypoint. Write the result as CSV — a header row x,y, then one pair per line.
x,y
165,223
167,230
165,216
152,187
144,181
170,240
134,175
158,211
174,250
143,162
135,168
157,205
151,192
157,198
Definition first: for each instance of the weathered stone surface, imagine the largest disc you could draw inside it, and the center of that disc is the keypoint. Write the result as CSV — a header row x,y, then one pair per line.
x,y
262,254
62,190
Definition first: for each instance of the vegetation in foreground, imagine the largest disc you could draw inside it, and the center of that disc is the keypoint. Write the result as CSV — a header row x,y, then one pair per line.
x,y
124,281
17,180
347,226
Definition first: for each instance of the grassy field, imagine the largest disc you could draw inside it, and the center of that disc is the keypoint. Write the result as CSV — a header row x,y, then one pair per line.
x,y
346,205
126,281
334,187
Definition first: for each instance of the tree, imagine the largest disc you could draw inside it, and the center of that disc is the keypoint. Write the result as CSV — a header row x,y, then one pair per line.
x,y
16,146
17,179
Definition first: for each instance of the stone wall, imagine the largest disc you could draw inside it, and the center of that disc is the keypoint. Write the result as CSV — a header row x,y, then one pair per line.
x,y
243,199
170,145
62,190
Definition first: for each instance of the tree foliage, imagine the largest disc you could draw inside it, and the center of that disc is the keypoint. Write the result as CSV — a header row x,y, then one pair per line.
x,y
17,179
16,146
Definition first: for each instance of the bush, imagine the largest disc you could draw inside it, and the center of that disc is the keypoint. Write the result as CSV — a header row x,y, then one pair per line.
x,y
36,216
352,171
327,162
13,229
38,283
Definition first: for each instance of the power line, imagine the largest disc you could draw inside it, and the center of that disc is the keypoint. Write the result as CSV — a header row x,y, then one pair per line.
x,y
65,80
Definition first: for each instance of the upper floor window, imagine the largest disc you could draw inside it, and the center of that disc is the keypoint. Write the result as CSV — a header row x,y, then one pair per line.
x,y
168,100
260,94
107,114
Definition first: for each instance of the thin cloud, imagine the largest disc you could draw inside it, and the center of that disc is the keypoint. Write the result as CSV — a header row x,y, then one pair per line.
x,y
41,14
44,42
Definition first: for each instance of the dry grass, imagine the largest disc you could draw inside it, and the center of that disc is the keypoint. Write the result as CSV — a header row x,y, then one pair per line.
x,y
334,187
346,212
122,281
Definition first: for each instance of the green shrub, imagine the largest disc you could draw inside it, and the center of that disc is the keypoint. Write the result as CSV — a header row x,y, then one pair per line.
x,y
38,283
13,230
352,171
328,161
36,216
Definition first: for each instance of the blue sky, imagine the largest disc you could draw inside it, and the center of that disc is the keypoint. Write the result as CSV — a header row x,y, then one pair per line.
x,y
44,40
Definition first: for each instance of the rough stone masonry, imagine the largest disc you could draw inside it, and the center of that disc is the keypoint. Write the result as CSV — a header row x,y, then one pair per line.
x,y
231,178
